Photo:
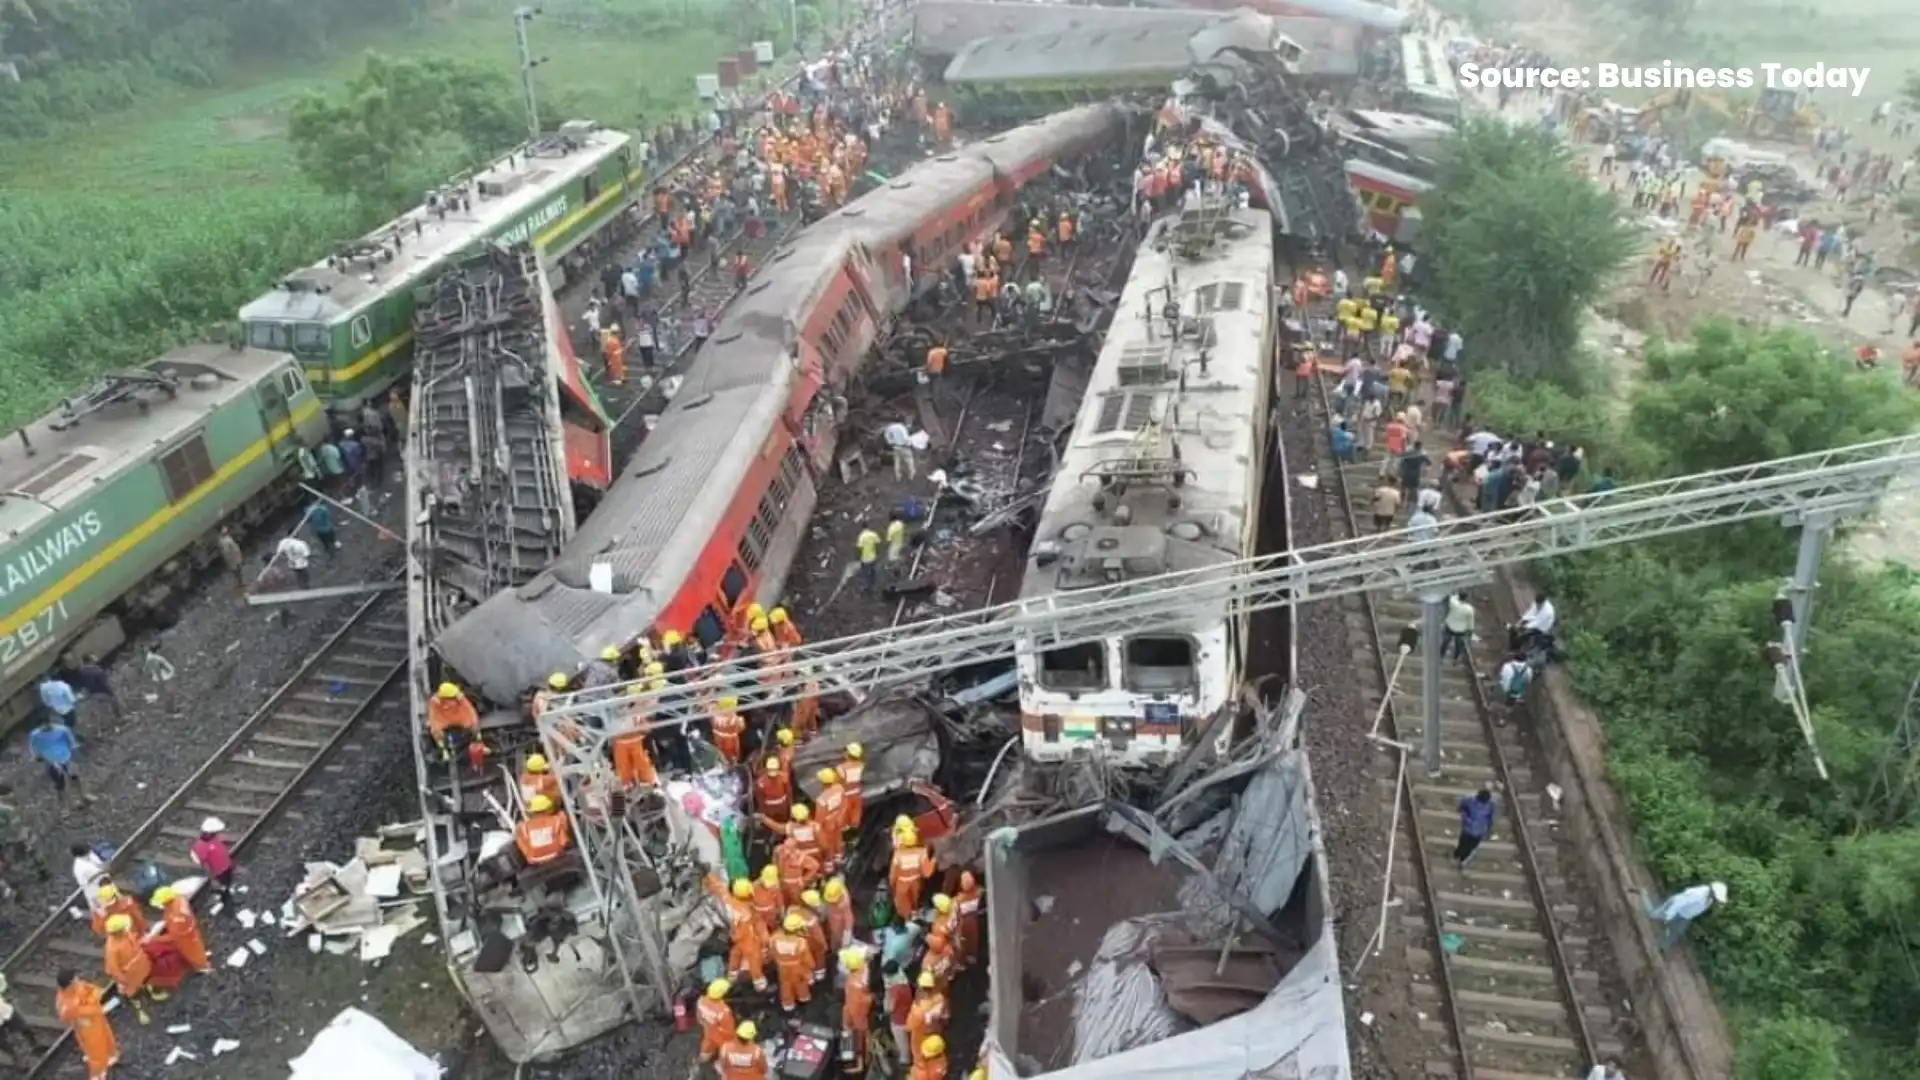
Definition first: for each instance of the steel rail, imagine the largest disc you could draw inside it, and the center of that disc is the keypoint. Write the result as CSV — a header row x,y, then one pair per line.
x,y
131,849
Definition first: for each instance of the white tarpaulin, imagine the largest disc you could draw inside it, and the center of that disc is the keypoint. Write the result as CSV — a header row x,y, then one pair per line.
x,y
359,1046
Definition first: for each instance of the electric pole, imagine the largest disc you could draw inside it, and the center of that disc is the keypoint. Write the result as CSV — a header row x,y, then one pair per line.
x,y
521,17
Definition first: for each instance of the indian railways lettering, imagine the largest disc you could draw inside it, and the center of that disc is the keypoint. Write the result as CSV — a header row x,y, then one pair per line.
x,y
534,222
42,558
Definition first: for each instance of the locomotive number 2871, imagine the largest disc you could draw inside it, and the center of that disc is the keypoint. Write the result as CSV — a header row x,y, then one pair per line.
x,y
32,633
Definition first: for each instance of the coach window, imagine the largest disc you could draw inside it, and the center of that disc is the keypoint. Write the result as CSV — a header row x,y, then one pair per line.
x,y
1160,664
733,583
708,627
1074,668
753,546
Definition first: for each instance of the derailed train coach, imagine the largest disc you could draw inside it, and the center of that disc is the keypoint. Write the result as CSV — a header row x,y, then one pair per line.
x,y
710,513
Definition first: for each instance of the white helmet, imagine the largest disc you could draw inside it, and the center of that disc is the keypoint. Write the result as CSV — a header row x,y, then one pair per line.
x,y
213,825
1719,892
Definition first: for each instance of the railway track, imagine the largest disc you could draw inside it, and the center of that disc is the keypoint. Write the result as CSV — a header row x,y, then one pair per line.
x,y
1505,960
270,759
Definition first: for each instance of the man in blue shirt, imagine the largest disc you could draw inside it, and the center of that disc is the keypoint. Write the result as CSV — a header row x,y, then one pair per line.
x,y
53,745
1677,912
58,697
1476,821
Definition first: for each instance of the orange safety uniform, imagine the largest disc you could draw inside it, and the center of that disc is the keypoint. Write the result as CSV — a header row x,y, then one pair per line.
x,y
911,868
939,961
121,905
966,910
774,794
787,634
728,728
805,835
767,904
450,714
183,932
543,838
1065,230
840,919
815,931
127,963
793,960
830,811
747,955
852,771
1002,248
937,360
716,1026
927,1016
805,722
856,1018
1036,243
538,783
631,762
80,1006
742,1061
798,866
926,1068
615,356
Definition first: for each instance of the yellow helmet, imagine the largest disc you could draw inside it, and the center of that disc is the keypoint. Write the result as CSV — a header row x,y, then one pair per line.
x,y
979,1073
718,989
728,704
777,615
827,776
801,813
610,653
107,894
925,981
836,888
942,903
755,611
634,689
163,896
793,923
907,837
773,765
902,823
119,924
933,1046
856,751
853,959
448,690
760,624
784,736
557,680
746,1032
540,804
670,638
769,875
656,668
743,888
810,898
657,684
536,763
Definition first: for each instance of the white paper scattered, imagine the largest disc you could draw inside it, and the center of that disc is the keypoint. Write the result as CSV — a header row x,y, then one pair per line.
x,y
259,947
315,943
377,943
179,1054
224,1046
383,882
247,918
1366,1018
266,918
179,1029
239,958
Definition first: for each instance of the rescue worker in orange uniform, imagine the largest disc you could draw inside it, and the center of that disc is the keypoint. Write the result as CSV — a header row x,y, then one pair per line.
x,y
966,907
936,359
449,711
764,646
830,808
1002,248
1064,230
744,613
912,866
615,356
1036,241
944,918
773,791
537,779
767,901
784,632
716,1019
793,961
802,831
544,834
805,721
856,1011
853,770
632,764
82,1007
742,1058
111,902
799,868
839,912
938,961
927,1016
747,955
930,1060
728,729
783,741
126,962
556,685
182,930
814,929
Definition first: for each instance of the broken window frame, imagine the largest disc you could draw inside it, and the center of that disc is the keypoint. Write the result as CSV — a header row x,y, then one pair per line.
x,y
1189,672
1081,682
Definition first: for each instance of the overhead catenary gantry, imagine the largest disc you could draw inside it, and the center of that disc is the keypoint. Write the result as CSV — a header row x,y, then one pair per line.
x,y
1820,487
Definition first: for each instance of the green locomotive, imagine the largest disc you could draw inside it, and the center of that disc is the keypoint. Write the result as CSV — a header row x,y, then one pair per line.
x,y
349,317
111,502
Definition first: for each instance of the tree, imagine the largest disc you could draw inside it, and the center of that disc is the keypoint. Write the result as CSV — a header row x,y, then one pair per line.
x,y
1520,246
1733,396
397,121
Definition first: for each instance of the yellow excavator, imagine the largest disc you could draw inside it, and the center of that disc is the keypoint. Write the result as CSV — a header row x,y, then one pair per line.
x,y
1679,103
1782,114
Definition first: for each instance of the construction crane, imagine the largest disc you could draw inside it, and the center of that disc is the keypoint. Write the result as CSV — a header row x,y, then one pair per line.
x,y
1811,492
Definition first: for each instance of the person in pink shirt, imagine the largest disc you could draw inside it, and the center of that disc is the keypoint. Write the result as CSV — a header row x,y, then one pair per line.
x,y
211,853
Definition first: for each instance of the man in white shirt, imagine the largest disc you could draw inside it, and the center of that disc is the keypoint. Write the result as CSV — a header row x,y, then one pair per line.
x,y
1677,912
1535,628
294,554
900,441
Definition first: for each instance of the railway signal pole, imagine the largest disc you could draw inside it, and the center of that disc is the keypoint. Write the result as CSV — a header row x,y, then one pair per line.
x,y
521,17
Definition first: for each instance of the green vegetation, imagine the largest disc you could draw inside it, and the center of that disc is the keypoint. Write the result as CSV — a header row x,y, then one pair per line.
x,y
1520,245
150,183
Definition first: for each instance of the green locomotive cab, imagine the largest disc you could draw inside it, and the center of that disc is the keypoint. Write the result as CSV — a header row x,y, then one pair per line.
x,y
349,317
110,503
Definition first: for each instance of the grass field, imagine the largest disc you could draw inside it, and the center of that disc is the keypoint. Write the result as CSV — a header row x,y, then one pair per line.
x,y
202,143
